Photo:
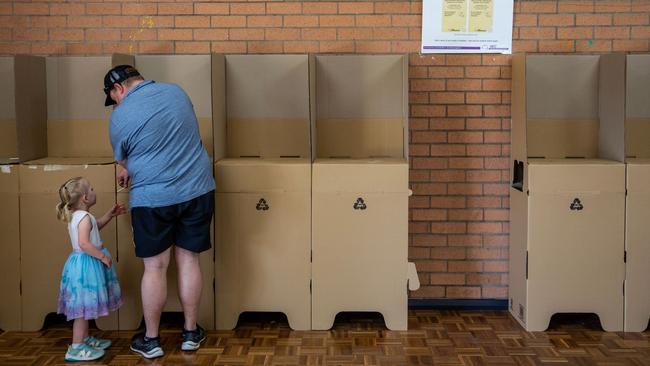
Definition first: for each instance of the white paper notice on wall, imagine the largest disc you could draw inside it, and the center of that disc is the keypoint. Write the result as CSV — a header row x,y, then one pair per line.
x,y
467,26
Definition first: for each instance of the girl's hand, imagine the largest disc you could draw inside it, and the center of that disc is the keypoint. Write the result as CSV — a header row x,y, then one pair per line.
x,y
117,210
107,260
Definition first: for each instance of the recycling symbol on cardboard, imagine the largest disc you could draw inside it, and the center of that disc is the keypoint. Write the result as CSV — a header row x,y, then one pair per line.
x,y
262,205
576,205
360,204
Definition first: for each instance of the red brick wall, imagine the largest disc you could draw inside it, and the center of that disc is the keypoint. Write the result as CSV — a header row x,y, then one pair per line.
x,y
460,104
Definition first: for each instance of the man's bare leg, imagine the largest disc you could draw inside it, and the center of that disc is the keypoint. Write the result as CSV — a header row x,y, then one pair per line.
x,y
154,290
190,284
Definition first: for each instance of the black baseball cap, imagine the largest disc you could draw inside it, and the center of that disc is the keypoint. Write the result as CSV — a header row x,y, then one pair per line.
x,y
117,75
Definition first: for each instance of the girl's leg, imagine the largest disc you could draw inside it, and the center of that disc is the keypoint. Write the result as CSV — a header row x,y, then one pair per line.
x,y
79,330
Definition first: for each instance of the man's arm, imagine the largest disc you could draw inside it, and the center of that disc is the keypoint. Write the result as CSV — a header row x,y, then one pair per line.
x,y
122,174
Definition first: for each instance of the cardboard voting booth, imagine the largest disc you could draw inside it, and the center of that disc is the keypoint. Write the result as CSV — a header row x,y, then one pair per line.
x,y
360,188
22,137
567,197
263,155
77,145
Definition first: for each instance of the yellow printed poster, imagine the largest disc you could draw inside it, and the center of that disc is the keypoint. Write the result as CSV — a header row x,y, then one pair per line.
x,y
467,26
454,16
480,15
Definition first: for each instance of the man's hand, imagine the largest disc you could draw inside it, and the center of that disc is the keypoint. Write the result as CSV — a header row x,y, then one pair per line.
x,y
123,178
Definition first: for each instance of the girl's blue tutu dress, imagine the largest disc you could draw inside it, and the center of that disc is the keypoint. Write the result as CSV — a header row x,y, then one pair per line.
x,y
89,289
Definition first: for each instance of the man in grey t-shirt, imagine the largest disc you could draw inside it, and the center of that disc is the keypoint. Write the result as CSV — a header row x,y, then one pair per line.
x,y
155,138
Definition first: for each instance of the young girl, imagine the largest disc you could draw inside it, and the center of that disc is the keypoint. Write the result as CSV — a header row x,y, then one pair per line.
x,y
89,287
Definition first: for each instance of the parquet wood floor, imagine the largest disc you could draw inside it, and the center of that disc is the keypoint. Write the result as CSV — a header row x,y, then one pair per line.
x,y
435,337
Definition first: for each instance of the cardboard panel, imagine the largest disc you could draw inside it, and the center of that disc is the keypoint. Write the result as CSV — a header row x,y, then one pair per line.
x,y
263,175
517,260
518,198
75,107
263,255
637,245
45,243
7,96
312,104
576,257
122,59
74,88
268,105
190,72
562,87
64,169
360,175
359,86
562,138
359,256
268,138
73,138
360,138
361,89
518,127
205,130
637,91
575,175
8,141
31,106
130,269
637,122
611,104
218,66
10,307
8,136
638,175
267,86
637,135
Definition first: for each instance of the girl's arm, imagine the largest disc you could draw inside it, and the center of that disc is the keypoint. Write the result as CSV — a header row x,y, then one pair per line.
x,y
86,246
116,210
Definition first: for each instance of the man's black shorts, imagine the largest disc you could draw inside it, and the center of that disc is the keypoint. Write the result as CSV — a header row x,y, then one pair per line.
x,y
186,225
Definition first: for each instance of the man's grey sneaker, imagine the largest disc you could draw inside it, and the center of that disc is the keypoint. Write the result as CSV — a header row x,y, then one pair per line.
x,y
192,339
147,347
97,343
83,353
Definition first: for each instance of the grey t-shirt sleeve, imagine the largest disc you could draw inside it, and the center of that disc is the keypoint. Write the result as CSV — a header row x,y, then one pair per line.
x,y
118,140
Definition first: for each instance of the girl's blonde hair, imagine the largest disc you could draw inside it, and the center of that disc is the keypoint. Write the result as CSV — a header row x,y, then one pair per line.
x,y
70,193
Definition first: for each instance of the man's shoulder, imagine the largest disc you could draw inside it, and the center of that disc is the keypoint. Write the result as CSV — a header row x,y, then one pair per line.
x,y
165,86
